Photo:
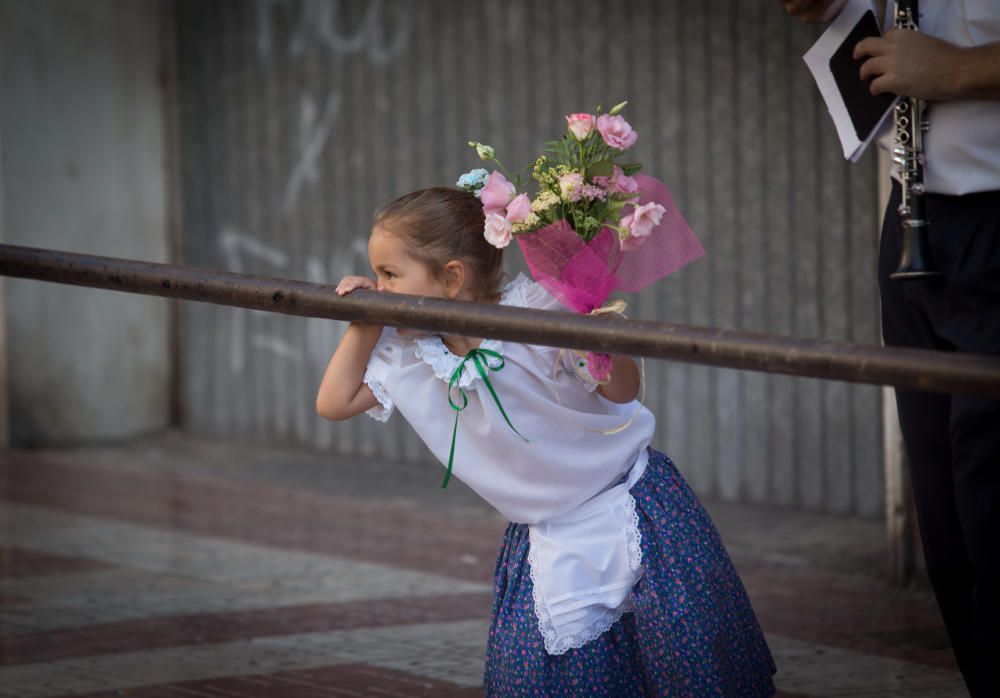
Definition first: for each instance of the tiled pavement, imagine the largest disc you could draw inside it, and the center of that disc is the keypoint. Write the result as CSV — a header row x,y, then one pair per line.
x,y
179,566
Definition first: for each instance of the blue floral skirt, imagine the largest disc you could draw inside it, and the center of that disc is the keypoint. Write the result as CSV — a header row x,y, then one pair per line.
x,y
692,631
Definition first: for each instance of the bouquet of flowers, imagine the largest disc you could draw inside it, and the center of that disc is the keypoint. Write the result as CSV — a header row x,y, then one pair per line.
x,y
593,225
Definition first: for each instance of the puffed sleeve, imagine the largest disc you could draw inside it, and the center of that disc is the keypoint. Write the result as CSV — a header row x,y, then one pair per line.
x,y
530,294
384,362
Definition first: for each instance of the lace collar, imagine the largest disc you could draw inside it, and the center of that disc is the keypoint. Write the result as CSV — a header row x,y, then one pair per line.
x,y
432,350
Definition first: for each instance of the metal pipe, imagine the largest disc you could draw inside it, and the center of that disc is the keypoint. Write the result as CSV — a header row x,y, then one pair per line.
x,y
816,358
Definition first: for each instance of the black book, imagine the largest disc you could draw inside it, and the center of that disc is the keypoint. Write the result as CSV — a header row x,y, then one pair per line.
x,y
865,109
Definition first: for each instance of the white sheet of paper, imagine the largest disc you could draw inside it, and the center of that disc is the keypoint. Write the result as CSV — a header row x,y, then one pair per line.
x,y
817,58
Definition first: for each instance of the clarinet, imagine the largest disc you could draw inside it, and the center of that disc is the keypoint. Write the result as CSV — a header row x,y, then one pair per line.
x,y
908,155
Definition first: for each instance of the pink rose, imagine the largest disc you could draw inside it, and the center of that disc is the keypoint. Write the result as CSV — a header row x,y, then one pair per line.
x,y
568,183
580,125
640,224
519,209
616,132
498,230
621,183
496,193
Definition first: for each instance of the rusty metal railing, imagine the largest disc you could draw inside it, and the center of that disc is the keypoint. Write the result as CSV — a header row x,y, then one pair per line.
x,y
817,358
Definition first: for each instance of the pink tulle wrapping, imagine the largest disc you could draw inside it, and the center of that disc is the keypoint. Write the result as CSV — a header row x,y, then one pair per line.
x,y
581,275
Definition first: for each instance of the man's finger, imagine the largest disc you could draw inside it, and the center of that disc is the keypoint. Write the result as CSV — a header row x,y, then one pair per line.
x,y
871,46
873,67
880,85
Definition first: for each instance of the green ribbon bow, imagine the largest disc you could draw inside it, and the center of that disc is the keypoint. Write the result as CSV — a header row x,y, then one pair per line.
x,y
480,359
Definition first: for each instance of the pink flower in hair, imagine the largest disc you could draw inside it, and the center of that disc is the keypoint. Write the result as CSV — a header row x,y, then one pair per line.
x,y
616,132
640,223
580,125
519,209
496,194
498,230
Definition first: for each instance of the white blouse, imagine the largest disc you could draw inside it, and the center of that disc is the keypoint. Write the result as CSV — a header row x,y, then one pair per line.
x,y
566,475
563,459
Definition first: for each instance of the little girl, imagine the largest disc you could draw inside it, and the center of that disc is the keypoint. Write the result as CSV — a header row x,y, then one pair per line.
x,y
611,579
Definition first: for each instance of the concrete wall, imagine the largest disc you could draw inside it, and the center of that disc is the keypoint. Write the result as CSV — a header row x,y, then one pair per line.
x,y
298,118
81,111
4,404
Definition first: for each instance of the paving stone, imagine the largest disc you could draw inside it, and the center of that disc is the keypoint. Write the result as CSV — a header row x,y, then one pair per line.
x,y
345,681
209,578
819,670
18,562
152,576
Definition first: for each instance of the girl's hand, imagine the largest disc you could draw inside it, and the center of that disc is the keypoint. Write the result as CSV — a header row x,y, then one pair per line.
x,y
351,283
624,384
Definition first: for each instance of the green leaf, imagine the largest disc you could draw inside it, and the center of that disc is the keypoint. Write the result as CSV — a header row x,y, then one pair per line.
x,y
562,151
630,168
615,208
603,168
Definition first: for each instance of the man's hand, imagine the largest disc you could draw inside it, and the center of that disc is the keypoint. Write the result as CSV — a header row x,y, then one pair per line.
x,y
912,64
813,10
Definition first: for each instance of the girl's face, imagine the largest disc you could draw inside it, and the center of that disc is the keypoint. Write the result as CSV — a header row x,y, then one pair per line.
x,y
396,270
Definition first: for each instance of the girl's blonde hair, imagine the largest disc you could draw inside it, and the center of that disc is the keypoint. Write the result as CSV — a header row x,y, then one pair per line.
x,y
440,224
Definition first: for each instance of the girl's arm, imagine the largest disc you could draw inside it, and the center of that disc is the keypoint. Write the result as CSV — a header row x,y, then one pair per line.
x,y
624,383
342,393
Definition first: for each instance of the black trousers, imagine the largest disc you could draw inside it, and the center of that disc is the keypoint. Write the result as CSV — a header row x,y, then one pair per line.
x,y
953,441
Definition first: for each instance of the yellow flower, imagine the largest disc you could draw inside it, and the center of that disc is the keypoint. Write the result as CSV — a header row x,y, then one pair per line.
x,y
549,179
527,224
544,201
